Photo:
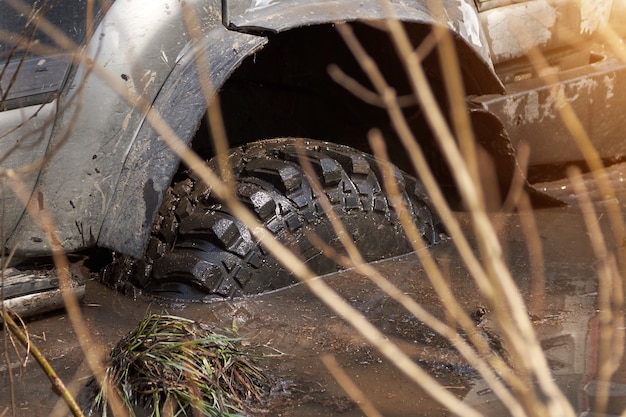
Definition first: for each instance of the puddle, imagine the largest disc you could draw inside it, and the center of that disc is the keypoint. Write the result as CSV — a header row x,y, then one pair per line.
x,y
298,330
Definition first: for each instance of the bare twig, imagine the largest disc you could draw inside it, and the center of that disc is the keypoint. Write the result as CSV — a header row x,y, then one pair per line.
x,y
610,298
355,260
93,351
353,391
510,308
57,383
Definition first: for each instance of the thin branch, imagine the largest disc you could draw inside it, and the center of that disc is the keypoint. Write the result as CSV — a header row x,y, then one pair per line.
x,y
348,385
57,384
610,301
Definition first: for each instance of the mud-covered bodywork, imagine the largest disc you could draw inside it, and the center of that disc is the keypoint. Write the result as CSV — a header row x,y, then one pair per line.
x,y
248,25
135,48
108,168
577,69
533,107
513,27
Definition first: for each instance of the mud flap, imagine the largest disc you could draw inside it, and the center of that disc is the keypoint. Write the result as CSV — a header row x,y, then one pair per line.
x,y
491,135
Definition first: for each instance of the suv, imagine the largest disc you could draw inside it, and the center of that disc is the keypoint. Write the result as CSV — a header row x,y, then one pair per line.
x,y
73,145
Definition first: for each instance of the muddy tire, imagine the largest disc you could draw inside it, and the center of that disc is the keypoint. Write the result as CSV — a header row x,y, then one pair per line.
x,y
198,250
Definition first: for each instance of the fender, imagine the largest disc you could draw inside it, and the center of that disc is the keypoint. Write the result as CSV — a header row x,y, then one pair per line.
x,y
150,166
109,192
148,170
138,43
459,16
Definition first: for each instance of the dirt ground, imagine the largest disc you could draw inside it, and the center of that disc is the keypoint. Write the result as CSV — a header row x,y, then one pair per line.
x,y
294,329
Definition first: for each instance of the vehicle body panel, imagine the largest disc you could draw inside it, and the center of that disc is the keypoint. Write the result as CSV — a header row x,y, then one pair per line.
x,y
22,145
137,44
148,169
33,73
33,81
281,15
514,28
616,20
28,112
589,78
118,177
531,107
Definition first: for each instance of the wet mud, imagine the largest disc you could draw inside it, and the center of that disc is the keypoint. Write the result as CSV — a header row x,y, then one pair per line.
x,y
293,330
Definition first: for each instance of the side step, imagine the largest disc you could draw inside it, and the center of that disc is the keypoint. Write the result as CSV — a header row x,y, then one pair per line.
x,y
33,292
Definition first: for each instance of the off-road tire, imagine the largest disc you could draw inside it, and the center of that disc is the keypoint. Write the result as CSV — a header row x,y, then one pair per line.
x,y
199,250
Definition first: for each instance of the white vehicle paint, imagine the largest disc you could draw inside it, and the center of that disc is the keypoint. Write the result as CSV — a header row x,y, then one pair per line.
x,y
512,28
261,4
508,28
128,47
593,14
470,29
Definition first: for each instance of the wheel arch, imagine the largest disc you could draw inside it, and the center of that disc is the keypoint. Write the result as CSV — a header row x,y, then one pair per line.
x,y
459,16
151,165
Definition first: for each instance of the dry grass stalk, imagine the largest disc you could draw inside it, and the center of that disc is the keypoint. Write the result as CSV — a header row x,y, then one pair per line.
x,y
176,362
610,297
491,292
348,385
44,221
509,307
355,260
57,383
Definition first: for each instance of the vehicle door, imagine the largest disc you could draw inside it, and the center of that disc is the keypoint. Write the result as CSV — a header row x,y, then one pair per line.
x,y
33,70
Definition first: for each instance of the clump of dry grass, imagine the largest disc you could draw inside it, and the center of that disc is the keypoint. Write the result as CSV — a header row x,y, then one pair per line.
x,y
174,366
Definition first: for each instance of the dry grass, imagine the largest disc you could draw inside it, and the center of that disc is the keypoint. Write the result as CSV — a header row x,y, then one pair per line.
x,y
175,364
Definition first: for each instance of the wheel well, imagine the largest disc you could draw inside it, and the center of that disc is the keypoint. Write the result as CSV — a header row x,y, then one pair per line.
x,y
285,90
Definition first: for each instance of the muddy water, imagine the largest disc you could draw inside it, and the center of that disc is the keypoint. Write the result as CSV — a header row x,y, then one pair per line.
x,y
295,330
